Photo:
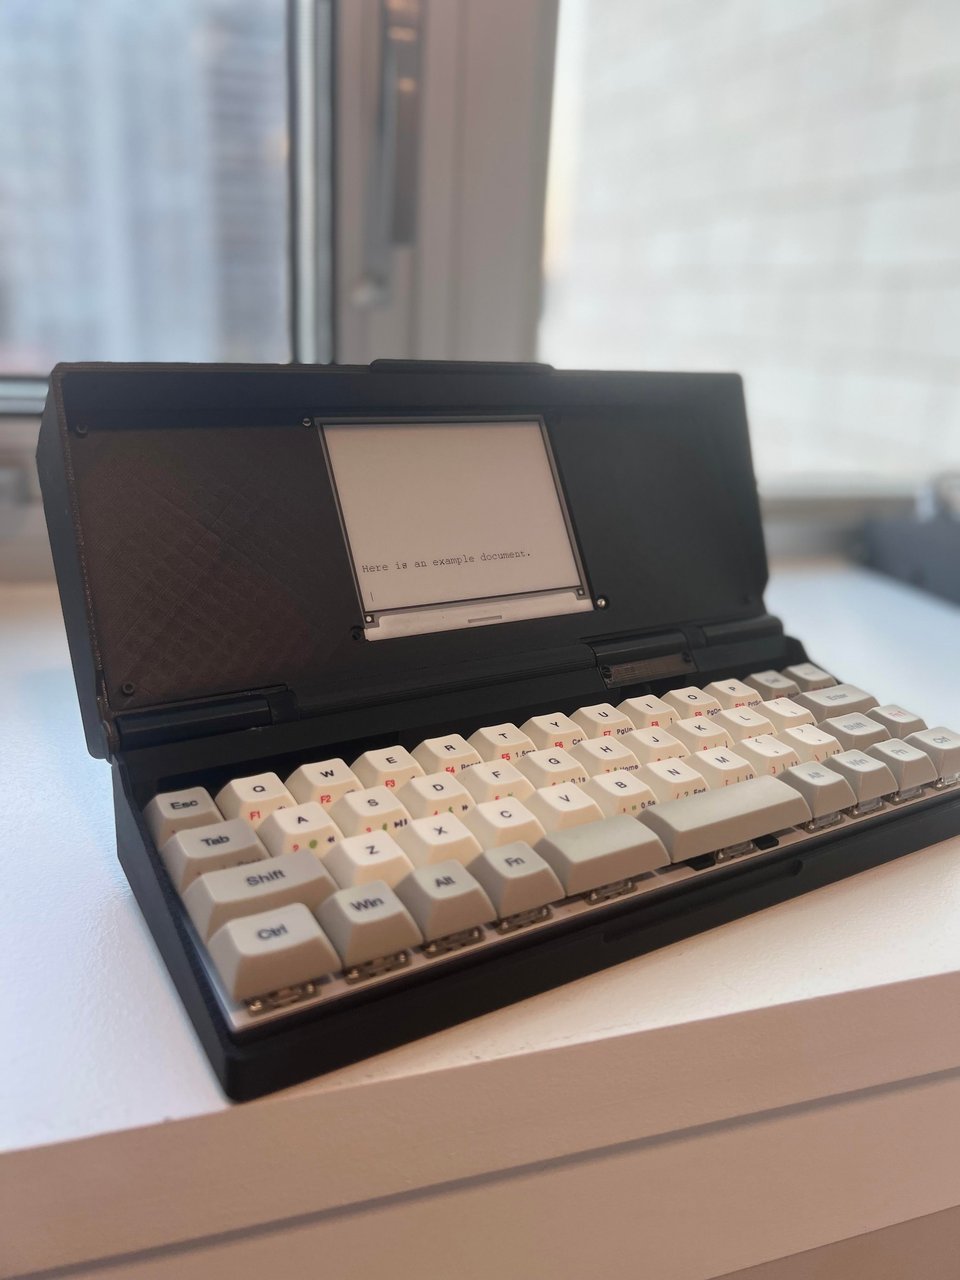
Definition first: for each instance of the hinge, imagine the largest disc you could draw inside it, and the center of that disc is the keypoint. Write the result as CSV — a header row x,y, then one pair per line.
x,y
656,657
203,717
703,647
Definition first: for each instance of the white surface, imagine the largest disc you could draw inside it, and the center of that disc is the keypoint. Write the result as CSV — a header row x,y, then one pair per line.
x,y
852,988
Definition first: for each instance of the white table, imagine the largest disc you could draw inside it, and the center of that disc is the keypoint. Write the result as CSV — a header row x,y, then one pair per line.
x,y
785,1081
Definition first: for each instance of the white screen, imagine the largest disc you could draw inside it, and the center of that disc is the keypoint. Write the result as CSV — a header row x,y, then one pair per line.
x,y
443,512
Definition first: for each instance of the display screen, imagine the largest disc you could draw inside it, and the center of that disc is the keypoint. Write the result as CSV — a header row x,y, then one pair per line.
x,y
443,513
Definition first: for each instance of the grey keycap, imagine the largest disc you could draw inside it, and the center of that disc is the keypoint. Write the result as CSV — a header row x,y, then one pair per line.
x,y
942,746
194,852
602,853
772,684
835,700
367,923
897,721
729,816
516,878
445,898
825,791
870,778
271,950
219,896
855,730
809,676
910,766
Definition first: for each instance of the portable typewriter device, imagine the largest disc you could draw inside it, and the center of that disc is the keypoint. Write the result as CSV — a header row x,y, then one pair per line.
x,y
428,687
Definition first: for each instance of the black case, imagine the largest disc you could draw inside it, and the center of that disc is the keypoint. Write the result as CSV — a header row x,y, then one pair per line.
x,y
215,630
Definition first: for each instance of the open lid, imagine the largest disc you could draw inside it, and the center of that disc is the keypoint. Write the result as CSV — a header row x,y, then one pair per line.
x,y
219,529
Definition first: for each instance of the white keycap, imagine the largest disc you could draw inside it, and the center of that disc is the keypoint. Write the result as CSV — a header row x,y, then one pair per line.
x,y
807,676
553,730
445,899
386,767
784,713
271,951
323,781
654,744
910,766
305,826
855,731
177,811
870,779
194,852
602,721
254,798
672,779
603,755
768,754
619,792
497,822
701,732
434,793
721,767
558,808
450,754
772,684
500,742
744,722
494,780
726,818
691,701
368,923
943,747
438,839
898,722
550,766
225,895
733,693
825,791
835,700
375,809
516,879
589,857
812,744
649,712
356,860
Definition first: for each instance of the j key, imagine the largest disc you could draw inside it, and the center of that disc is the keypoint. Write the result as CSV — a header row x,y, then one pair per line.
x,y
305,826
897,722
768,754
444,899
726,817
870,779
495,780
700,733
854,731
654,744
516,879
720,767
368,923
911,767
744,722
501,742
943,747
225,895
387,767
561,807
270,951
499,822
772,684
434,793
554,730
603,755
375,809
323,781
672,779
619,792
254,798
691,701
587,858
649,712
811,744
177,810
438,839
807,676
357,860
602,721
835,700
451,754
550,766
825,791
784,712
194,852
733,693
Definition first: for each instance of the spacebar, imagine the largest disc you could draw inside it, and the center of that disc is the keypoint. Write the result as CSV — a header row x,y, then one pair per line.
x,y
728,816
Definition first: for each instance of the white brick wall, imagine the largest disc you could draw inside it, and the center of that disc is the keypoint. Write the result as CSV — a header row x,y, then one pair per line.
x,y
771,186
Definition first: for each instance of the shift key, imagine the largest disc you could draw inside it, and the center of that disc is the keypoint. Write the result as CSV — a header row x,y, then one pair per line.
x,y
225,895
726,817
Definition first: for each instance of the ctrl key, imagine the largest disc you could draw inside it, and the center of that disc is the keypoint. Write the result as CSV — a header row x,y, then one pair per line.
x,y
271,952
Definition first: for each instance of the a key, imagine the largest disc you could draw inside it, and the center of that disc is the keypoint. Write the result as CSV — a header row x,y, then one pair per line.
x,y
197,850
387,767
784,713
225,895
550,766
445,899
498,822
494,780
700,733
943,747
500,742
323,781
305,826
602,721
855,731
553,730
672,779
869,779
357,860
726,818
619,792
897,722
911,767
720,767
808,676
374,809
561,807
810,742
768,754
733,693
586,858
434,793
438,839
691,701
450,754
368,923
836,700
603,755
654,744
649,712
516,879
825,791
772,684
271,951
744,722
254,798
177,811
